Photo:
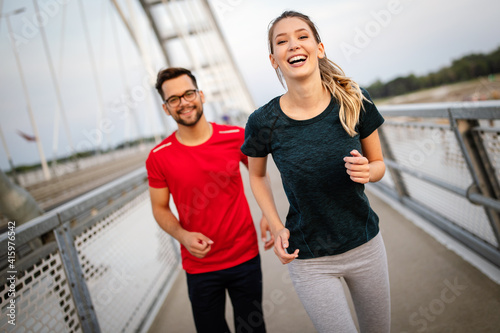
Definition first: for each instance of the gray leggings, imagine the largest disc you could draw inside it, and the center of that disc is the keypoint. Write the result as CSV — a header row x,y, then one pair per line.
x,y
364,269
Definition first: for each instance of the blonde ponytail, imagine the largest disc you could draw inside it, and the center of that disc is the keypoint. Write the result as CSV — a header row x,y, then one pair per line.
x,y
346,91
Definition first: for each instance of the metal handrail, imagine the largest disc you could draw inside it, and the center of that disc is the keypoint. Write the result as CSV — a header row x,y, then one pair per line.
x,y
60,229
476,198
459,110
463,120
81,205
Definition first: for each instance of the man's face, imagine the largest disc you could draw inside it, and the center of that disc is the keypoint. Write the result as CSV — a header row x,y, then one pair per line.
x,y
186,113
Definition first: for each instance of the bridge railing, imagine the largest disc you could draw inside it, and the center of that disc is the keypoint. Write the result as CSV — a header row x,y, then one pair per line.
x,y
99,263
443,162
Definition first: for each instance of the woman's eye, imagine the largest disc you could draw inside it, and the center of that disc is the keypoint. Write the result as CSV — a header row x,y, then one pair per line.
x,y
303,37
281,42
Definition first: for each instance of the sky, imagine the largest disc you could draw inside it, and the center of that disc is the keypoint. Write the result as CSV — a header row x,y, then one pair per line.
x,y
368,39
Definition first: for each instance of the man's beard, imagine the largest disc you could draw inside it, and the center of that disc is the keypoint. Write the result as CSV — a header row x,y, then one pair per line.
x,y
181,121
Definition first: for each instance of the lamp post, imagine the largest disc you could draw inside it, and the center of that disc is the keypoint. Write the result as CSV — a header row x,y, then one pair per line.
x,y
43,161
57,88
11,163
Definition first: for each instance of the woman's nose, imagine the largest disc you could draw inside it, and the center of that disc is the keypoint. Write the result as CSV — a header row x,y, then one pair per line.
x,y
293,45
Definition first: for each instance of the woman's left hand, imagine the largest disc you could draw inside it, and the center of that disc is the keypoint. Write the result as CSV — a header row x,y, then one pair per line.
x,y
357,167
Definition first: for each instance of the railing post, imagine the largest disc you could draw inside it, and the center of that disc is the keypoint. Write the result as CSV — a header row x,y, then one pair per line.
x,y
76,279
479,165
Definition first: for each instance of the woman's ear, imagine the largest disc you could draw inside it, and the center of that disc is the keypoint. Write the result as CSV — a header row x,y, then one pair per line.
x,y
321,51
273,61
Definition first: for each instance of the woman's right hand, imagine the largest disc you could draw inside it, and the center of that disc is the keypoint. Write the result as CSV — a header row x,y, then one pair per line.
x,y
281,244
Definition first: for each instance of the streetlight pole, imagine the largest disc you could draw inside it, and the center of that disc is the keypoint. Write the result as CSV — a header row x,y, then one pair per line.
x,y
55,81
11,163
43,161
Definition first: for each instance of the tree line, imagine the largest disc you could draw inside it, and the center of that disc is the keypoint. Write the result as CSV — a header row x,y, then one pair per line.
x,y
466,68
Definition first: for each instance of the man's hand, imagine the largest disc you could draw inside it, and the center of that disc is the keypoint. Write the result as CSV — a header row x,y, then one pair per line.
x,y
264,230
197,244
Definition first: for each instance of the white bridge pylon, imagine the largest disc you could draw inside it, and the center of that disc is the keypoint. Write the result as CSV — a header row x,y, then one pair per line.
x,y
190,37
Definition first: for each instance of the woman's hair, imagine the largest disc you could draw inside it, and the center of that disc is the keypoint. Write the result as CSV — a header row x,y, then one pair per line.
x,y
343,88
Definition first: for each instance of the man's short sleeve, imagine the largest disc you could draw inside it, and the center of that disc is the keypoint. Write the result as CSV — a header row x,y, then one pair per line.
x,y
256,138
370,118
156,178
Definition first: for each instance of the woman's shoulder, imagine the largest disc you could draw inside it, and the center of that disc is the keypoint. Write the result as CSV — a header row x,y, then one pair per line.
x,y
366,99
365,92
265,113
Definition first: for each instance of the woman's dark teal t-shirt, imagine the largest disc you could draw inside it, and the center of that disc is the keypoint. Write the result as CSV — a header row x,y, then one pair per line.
x,y
329,213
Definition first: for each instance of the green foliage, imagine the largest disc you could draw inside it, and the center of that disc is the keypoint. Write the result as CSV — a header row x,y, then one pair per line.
x,y
466,68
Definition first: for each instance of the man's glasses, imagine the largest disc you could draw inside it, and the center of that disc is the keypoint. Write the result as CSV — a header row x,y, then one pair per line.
x,y
175,101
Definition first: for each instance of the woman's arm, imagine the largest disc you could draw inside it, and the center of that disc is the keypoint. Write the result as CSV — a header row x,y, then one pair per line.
x,y
261,188
371,166
264,225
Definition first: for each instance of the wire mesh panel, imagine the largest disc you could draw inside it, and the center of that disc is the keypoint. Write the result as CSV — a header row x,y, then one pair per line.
x,y
433,150
107,270
126,259
451,206
43,300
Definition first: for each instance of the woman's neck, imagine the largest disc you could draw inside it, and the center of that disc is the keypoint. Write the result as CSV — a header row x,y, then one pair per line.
x,y
305,99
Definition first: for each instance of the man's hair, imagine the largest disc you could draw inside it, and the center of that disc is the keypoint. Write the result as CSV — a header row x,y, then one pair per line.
x,y
172,73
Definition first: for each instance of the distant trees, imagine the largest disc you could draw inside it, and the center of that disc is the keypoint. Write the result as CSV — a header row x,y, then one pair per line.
x,y
463,69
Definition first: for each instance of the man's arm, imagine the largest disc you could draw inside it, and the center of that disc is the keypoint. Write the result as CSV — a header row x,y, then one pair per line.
x,y
196,243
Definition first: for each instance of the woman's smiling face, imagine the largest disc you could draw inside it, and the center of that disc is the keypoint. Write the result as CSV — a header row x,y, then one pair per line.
x,y
295,50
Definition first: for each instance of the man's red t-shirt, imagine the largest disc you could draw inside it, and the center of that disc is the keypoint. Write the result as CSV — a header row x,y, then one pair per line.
x,y
206,186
